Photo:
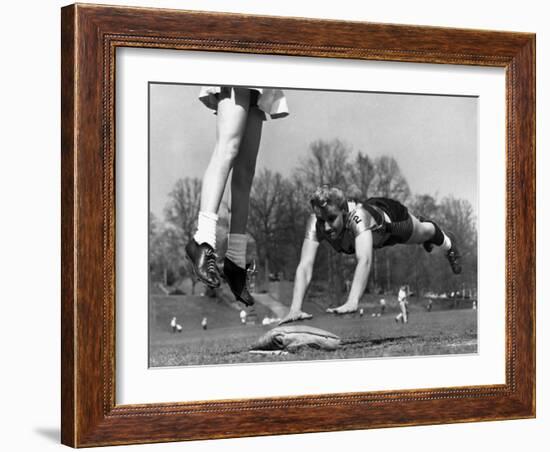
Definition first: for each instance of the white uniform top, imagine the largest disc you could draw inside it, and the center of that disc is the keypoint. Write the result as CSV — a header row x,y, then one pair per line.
x,y
401,295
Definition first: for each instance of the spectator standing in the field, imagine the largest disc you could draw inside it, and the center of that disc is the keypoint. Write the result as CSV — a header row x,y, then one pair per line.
x,y
382,306
402,299
173,324
430,305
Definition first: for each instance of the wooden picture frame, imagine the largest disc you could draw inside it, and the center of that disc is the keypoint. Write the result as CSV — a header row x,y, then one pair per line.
x,y
90,37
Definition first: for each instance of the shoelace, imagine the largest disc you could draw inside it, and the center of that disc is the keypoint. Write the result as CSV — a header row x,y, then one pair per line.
x,y
211,262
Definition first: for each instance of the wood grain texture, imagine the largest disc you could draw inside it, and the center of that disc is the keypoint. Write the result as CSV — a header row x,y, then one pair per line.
x,y
90,36
68,310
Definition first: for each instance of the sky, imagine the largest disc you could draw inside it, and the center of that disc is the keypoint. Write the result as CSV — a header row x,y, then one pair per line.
x,y
433,138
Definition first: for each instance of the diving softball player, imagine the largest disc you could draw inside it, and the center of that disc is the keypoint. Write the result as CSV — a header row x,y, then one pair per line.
x,y
358,228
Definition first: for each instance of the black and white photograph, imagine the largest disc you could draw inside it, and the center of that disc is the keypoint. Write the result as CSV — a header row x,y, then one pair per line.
x,y
293,224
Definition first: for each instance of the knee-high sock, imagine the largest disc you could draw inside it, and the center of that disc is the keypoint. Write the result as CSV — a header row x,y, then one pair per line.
x,y
440,239
236,249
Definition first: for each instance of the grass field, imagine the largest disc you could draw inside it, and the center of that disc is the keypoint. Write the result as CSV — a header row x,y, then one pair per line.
x,y
227,341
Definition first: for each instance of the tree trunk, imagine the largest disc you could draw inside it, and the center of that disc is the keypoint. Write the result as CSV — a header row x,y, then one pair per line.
x,y
374,272
388,271
266,266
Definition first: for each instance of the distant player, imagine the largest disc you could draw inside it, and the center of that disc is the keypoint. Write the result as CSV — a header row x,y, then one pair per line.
x,y
402,299
204,323
429,306
179,328
354,227
173,324
243,316
382,306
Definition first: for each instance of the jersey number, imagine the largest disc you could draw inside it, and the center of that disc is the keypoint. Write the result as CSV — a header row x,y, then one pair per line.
x,y
356,219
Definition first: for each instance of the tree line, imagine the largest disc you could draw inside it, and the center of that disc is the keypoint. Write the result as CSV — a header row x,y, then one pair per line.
x,y
279,209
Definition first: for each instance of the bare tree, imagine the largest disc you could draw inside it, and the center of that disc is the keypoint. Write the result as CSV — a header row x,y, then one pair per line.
x,y
181,213
165,255
182,209
327,163
294,202
264,214
388,181
457,216
362,173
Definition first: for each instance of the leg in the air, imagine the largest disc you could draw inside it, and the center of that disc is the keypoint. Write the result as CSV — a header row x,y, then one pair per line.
x,y
232,117
429,234
234,267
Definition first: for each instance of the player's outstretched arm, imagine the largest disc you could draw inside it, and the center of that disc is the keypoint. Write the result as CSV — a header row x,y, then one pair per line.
x,y
301,282
363,252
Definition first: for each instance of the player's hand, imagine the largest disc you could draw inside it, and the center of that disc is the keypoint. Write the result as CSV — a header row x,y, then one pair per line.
x,y
294,316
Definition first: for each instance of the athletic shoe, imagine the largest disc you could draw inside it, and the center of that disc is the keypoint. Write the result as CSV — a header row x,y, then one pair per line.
x,y
236,280
428,246
453,256
203,261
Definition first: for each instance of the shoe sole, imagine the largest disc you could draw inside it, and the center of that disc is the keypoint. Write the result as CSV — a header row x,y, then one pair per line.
x,y
238,297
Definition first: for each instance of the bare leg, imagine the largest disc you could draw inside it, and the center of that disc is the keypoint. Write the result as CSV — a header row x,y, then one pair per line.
x,y
243,171
231,126
233,108
422,231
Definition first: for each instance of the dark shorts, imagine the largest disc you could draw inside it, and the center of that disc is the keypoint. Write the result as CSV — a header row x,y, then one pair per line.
x,y
225,91
254,96
401,227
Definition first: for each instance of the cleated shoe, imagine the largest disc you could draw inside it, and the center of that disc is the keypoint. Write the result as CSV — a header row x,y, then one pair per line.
x,y
453,256
236,280
203,261
428,246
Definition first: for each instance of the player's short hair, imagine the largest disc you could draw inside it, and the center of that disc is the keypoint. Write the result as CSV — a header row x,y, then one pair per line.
x,y
354,194
326,195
